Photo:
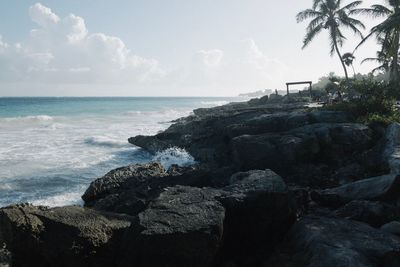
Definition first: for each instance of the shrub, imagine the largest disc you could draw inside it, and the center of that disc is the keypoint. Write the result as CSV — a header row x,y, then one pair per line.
x,y
370,101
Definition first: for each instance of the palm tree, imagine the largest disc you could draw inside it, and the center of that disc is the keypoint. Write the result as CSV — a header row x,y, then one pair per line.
x,y
387,33
382,58
329,15
348,59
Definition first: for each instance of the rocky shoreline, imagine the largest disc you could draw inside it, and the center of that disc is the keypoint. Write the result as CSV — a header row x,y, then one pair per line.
x,y
275,184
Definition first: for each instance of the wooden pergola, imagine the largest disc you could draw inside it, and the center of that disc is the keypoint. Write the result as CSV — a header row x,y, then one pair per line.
x,y
296,83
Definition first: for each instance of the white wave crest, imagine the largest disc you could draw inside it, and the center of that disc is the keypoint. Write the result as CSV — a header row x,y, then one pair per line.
x,y
105,141
173,156
214,103
39,118
69,198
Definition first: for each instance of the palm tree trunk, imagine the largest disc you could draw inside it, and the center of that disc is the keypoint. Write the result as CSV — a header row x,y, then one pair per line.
x,y
354,72
341,60
394,72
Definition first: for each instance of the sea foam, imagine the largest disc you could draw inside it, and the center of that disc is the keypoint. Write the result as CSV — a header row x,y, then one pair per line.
x,y
173,156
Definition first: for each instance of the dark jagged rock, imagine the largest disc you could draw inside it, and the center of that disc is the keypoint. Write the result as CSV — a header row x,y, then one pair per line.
x,y
374,213
188,226
384,188
392,227
391,153
136,185
330,242
207,134
112,181
5,258
259,210
182,227
330,144
66,236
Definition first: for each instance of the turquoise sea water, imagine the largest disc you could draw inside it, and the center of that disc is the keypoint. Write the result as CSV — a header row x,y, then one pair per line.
x,y
51,148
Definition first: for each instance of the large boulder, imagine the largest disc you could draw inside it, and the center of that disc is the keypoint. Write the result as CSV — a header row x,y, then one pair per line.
x,y
391,153
374,213
112,181
182,227
317,241
384,188
392,227
130,189
65,236
333,143
259,211
238,224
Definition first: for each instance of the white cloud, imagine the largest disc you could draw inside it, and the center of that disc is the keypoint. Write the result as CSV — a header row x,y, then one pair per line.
x,y
211,58
42,15
245,65
65,47
3,45
61,51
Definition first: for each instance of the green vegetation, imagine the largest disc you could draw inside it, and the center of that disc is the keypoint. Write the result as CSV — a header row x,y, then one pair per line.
x,y
387,34
372,102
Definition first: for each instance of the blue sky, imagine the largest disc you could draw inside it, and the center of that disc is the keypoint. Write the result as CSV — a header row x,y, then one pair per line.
x,y
158,47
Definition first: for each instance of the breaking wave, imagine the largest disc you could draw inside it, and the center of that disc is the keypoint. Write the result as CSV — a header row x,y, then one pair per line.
x,y
173,156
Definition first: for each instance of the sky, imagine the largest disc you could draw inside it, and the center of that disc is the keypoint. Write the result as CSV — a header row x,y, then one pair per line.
x,y
162,47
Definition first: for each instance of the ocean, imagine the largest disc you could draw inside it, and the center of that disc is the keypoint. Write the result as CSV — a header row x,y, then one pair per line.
x,y
51,148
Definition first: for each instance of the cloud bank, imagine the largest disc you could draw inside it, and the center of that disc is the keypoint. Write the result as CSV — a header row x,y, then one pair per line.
x,y
62,51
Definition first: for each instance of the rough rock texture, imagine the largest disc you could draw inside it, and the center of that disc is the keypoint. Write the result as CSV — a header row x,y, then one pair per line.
x,y
392,227
183,227
384,188
207,134
258,213
130,189
317,142
304,147
391,153
112,181
187,226
374,213
67,236
329,242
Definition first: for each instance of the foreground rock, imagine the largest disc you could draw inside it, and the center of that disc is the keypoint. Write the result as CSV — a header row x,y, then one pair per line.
x,y
238,224
183,227
384,188
130,189
259,211
67,236
374,213
330,242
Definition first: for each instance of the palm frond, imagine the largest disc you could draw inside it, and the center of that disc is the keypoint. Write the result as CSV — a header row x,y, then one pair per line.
x,y
351,5
311,35
306,14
